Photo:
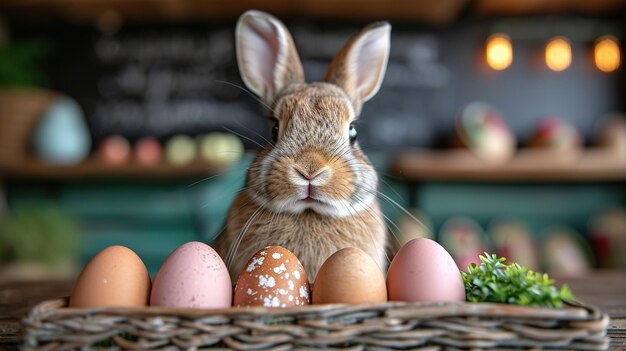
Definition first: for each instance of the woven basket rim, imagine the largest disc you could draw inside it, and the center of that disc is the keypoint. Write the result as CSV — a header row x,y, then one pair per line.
x,y
572,311
53,325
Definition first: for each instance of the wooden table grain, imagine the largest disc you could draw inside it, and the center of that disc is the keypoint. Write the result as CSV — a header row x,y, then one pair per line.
x,y
604,289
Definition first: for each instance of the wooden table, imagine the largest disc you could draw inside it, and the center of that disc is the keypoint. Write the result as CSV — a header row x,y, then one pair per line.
x,y
605,289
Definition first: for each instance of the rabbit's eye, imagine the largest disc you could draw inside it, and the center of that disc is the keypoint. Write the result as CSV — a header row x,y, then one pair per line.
x,y
275,131
352,134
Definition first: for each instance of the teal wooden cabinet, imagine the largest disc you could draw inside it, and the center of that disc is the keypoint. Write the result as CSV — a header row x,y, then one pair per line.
x,y
151,217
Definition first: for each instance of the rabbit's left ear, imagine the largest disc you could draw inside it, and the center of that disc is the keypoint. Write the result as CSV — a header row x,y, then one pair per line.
x,y
360,66
267,57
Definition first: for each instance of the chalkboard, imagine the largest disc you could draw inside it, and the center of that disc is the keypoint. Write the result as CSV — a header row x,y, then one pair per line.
x,y
161,80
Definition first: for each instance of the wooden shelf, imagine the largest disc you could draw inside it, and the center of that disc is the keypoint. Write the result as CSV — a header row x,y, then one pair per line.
x,y
437,12
92,169
592,165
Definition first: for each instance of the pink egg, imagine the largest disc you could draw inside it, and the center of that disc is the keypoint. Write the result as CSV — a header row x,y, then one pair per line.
x,y
148,151
114,150
193,276
424,271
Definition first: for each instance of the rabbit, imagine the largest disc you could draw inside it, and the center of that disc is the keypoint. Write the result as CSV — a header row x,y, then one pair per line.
x,y
311,189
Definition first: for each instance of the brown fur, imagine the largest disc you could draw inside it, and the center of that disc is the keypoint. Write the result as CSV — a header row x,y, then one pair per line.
x,y
314,120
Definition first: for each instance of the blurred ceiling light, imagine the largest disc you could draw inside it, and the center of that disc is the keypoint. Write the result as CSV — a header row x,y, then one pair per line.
x,y
499,51
606,54
558,54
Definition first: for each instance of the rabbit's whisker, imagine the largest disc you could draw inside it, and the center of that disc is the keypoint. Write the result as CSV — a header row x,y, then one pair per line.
x,y
372,214
244,137
255,132
400,207
247,92
395,226
235,246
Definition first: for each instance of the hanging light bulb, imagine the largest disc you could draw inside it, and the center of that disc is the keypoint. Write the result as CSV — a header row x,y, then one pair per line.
x,y
558,54
499,51
606,54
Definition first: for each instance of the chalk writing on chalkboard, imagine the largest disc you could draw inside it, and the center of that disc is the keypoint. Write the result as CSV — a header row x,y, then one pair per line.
x,y
165,83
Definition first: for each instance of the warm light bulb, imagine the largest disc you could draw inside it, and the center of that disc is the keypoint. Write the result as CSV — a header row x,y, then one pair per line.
x,y
606,54
558,54
499,52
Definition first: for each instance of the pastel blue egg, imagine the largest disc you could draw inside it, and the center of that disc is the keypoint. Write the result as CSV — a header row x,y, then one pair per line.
x,y
62,136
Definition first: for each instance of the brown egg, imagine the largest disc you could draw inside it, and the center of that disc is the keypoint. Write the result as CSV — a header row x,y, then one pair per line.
x,y
273,277
349,276
116,276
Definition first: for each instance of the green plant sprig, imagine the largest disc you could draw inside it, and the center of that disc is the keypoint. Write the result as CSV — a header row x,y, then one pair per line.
x,y
495,281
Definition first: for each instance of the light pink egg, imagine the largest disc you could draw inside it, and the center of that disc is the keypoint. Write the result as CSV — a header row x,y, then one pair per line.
x,y
193,276
424,271
115,150
148,151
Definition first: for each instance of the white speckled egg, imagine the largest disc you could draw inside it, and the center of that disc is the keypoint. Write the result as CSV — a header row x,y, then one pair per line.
x,y
193,276
273,277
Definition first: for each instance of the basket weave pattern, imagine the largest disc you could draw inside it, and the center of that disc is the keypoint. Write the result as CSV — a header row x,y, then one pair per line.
x,y
390,326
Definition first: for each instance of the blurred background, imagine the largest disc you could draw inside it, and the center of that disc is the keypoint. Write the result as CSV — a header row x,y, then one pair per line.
x,y
499,125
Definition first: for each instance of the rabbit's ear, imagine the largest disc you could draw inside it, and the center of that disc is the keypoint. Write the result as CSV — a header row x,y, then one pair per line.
x,y
267,57
360,66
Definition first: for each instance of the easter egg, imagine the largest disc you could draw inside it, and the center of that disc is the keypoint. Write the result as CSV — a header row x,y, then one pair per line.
x,y
273,277
193,276
62,136
148,151
424,271
349,276
221,148
115,277
180,150
114,150
481,128
556,134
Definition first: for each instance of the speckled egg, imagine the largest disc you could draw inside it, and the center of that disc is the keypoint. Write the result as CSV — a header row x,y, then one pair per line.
x,y
349,276
424,271
115,277
193,276
273,277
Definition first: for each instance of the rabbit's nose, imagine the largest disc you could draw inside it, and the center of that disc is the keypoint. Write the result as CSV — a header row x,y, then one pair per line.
x,y
313,176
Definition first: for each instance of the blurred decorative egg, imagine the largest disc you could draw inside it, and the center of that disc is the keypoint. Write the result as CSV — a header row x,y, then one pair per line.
x,y
481,128
612,134
556,134
115,277
193,276
221,148
62,136
349,276
273,277
565,251
148,151
424,271
115,150
180,150
513,240
463,239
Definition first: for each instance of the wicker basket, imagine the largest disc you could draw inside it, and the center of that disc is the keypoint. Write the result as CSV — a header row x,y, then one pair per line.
x,y
390,326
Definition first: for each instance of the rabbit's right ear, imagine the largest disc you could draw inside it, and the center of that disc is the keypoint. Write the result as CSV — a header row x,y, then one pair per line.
x,y
267,57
